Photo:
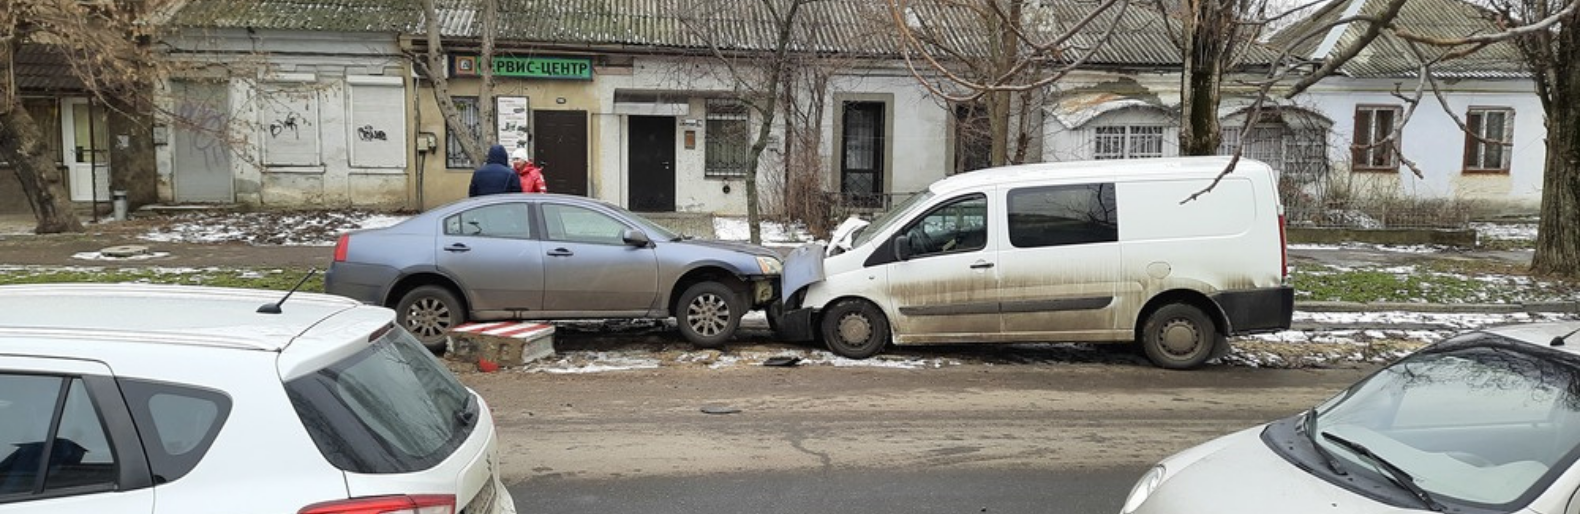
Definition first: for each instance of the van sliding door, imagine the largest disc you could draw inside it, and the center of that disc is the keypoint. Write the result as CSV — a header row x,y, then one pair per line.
x,y
1060,263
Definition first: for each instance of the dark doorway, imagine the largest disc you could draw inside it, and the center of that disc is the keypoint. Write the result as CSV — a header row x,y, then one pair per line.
x,y
861,167
561,144
652,164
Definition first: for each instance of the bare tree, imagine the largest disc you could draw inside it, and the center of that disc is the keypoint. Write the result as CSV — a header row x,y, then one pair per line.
x,y
985,51
757,76
436,68
1547,33
104,48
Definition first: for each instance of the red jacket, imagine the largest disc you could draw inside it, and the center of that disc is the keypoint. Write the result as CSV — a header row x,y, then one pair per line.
x,y
531,178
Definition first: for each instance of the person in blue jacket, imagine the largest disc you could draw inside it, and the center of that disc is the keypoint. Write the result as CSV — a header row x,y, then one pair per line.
x,y
495,176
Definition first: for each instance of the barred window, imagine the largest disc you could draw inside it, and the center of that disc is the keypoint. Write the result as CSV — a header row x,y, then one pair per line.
x,y
1127,142
1489,125
728,139
454,153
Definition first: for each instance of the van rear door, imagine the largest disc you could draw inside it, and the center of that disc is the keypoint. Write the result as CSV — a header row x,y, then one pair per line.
x,y
1061,261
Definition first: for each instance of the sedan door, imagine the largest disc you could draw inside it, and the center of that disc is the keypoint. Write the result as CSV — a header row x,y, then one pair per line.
x,y
588,267
490,251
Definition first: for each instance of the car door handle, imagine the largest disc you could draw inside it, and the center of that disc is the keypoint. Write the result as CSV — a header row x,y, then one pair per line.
x,y
560,252
982,265
458,247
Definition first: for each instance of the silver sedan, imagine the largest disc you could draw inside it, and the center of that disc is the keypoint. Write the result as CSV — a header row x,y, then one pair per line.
x,y
544,256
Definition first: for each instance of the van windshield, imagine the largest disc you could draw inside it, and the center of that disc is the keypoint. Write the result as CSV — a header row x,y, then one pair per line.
x,y
891,217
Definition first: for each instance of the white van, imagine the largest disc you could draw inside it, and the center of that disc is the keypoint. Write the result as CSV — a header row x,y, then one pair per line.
x,y
1100,251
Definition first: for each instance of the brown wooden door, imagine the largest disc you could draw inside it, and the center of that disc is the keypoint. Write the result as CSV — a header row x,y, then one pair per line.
x,y
652,164
561,144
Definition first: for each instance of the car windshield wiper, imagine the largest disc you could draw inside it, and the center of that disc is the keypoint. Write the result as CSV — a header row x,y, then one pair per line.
x,y
1327,457
1398,476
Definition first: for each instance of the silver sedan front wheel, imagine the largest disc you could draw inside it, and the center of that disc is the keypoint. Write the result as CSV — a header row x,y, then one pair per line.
x,y
708,314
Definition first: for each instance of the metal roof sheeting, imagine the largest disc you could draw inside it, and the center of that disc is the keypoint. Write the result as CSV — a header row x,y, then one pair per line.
x,y
1390,56
862,27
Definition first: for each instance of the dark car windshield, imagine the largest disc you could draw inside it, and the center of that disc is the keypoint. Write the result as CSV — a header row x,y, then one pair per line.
x,y
390,408
1479,420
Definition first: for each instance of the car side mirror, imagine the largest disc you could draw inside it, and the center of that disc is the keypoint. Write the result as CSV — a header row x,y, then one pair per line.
x,y
902,247
635,238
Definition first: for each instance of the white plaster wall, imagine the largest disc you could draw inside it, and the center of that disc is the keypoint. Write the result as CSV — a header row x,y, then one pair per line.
x,y
321,61
920,152
919,149
1435,142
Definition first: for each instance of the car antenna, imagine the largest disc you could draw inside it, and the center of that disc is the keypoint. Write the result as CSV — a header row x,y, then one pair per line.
x,y
274,308
1559,341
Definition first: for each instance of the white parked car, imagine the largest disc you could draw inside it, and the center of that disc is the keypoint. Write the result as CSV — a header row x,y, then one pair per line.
x,y
134,399
1101,251
1487,421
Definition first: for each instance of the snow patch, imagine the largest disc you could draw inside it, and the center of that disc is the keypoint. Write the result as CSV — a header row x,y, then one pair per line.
x,y
773,233
96,256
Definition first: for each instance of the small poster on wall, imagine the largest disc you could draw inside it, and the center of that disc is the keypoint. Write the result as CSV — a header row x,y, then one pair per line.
x,y
514,131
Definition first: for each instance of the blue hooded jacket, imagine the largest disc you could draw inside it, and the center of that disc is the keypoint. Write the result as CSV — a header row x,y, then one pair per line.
x,y
495,176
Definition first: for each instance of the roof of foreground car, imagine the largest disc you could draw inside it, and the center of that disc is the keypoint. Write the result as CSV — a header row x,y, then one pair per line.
x,y
209,316
1542,334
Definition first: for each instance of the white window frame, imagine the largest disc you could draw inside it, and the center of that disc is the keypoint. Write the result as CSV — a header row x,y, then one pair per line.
x,y
1130,140
1476,149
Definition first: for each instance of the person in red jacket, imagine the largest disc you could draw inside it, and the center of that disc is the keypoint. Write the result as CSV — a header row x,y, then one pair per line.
x,y
531,175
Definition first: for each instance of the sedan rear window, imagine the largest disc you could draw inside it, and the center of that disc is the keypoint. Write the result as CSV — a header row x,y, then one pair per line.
x,y
390,408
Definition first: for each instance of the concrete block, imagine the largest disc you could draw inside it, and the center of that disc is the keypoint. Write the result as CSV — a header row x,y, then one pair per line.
x,y
508,343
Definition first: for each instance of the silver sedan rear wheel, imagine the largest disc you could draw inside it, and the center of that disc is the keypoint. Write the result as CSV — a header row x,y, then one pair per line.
x,y
429,312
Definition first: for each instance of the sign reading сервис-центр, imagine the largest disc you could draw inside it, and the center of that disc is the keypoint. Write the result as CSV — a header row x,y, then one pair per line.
x,y
564,68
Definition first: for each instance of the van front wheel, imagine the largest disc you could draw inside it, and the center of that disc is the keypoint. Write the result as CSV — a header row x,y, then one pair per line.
x,y
855,329
1180,336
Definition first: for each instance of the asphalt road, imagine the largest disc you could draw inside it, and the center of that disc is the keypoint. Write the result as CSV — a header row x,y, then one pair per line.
x,y
1005,438
989,491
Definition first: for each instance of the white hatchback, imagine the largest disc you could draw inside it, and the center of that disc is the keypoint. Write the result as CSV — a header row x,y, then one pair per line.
x,y
170,399
1488,421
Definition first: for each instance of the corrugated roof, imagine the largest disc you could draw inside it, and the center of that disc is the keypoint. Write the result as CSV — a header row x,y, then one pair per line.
x,y
831,26
1390,56
41,68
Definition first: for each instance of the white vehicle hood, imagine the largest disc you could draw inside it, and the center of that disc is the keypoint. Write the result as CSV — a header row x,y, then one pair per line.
x,y
844,234
1244,476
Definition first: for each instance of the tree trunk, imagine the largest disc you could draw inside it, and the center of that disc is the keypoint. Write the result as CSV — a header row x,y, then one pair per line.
x,y
42,181
439,74
22,144
488,125
1202,47
998,124
1558,235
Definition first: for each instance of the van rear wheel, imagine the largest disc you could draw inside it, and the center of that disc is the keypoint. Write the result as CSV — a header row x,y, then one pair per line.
x,y
1180,336
855,329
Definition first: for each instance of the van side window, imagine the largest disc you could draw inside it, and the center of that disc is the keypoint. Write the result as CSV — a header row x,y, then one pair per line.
x,y
1063,215
958,226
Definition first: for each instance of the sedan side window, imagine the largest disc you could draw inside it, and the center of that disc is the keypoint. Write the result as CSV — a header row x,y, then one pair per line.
x,y
573,224
958,226
508,220
74,458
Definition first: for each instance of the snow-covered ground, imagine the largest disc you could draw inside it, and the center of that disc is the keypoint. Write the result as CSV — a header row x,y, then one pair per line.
x,y
285,228
1374,247
1509,231
773,234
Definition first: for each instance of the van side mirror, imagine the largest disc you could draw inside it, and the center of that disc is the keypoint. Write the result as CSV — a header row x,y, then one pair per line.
x,y
902,247
635,238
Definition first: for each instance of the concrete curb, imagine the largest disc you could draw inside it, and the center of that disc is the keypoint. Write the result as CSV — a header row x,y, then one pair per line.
x,y
1452,308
